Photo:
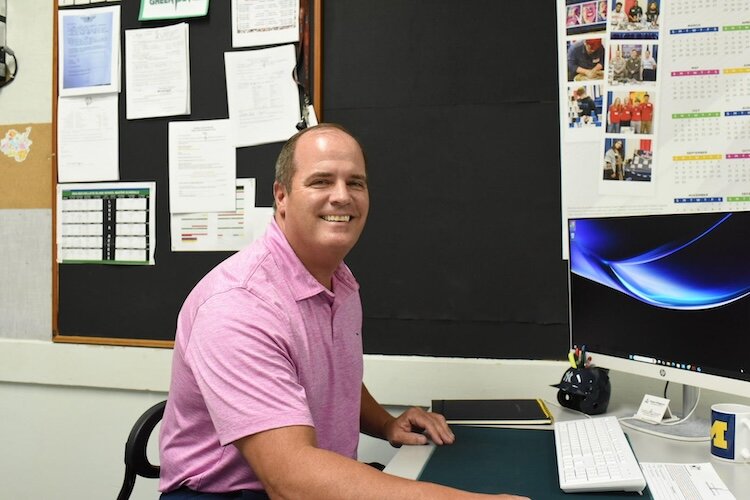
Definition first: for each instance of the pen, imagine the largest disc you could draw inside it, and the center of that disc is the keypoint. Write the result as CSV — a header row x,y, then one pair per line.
x,y
572,359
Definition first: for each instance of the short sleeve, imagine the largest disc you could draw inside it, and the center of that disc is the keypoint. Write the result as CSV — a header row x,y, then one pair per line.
x,y
243,362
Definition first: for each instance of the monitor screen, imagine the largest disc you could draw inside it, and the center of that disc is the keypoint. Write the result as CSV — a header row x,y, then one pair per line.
x,y
666,296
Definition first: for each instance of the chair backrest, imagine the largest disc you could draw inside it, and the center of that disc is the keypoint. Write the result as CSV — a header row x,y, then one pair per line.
x,y
136,461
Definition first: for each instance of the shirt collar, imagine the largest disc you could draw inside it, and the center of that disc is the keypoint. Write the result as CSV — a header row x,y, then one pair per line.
x,y
303,284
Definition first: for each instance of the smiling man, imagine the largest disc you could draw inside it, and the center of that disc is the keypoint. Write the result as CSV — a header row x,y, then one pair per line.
x,y
267,399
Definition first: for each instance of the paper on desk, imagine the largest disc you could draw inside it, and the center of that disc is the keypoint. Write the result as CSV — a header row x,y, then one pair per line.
x,y
684,481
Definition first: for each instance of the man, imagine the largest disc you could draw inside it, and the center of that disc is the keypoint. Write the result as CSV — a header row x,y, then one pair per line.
x,y
649,67
647,115
635,14
618,18
586,60
618,63
267,398
633,66
586,105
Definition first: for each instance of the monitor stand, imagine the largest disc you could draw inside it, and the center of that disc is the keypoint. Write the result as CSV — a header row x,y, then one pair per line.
x,y
694,428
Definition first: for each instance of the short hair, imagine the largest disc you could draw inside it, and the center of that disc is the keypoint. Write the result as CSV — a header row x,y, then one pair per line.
x,y
285,166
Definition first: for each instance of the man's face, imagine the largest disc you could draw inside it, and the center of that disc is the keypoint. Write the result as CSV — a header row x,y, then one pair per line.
x,y
324,212
618,7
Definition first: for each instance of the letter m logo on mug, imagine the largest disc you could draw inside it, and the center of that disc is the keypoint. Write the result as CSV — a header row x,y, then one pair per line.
x,y
722,433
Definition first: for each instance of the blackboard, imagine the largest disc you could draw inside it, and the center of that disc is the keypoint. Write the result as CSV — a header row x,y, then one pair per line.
x,y
456,106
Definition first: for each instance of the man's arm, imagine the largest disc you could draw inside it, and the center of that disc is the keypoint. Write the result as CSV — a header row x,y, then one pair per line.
x,y
290,466
414,426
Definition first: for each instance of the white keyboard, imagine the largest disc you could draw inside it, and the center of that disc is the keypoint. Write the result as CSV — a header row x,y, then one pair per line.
x,y
593,454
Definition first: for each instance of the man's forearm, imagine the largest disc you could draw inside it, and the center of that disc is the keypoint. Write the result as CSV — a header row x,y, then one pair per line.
x,y
373,418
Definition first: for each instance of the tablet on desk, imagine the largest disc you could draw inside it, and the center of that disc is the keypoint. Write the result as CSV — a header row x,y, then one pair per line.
x,y
492,412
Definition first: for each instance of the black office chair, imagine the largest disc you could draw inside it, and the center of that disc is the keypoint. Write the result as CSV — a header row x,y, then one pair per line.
x,y
136,461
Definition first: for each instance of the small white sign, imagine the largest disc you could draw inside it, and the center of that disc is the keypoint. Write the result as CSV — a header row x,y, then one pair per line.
x,y
653,409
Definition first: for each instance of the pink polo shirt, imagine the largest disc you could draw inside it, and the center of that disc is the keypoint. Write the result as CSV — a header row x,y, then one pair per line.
x,y
260,344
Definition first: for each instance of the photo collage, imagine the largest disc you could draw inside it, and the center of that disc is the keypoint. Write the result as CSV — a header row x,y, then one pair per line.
x,y
612,61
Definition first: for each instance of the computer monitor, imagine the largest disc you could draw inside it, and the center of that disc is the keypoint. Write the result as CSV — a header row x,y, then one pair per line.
x,y
665,296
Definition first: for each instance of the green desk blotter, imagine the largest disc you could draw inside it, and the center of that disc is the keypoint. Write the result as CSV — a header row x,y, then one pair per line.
x,y
517,461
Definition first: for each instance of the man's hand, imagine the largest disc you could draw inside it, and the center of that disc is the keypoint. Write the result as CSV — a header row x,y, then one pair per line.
x,y
415,426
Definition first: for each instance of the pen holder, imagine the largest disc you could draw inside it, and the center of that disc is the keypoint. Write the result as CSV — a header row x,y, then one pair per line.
x,y
585,389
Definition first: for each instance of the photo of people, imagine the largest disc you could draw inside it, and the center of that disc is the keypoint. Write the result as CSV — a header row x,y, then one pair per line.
x,y
630,112
627,159
585,59
632,63
635,16
585,16
585,105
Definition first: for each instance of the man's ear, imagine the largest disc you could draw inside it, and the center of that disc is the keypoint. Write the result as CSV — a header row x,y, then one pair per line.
x,y
279,197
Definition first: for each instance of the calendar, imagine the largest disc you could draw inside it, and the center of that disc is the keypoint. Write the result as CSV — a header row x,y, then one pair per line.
x,y
691,85
676,112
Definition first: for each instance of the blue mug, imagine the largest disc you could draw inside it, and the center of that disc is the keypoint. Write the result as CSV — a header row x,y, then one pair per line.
x,y
730,432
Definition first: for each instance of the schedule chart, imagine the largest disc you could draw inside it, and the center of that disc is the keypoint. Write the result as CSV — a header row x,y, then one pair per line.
x,y
106,225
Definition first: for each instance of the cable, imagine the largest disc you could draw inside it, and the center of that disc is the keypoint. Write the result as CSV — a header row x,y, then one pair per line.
x,y
690,413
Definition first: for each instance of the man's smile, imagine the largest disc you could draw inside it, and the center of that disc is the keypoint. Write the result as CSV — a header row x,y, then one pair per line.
x,y
336,218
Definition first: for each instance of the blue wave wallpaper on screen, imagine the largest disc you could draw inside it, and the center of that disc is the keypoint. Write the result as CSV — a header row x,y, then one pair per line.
x,y
685,262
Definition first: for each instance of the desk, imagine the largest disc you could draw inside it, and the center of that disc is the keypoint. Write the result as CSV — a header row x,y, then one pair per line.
x,y
409,461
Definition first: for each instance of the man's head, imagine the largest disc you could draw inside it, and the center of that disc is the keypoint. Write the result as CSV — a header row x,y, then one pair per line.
x,y
634,54
618,6
321,195
645,97
592,45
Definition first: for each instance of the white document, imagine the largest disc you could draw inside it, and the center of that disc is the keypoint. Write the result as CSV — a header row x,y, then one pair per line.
x,y
89,51
202,167
222,231
684,481
87,138
157,71
263,98
264,22
151,10
106,223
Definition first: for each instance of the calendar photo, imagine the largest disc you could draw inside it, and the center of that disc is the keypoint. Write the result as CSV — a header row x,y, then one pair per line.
x,y
585,59
634,19
627,159
585,16
585,103
632,63
630,112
